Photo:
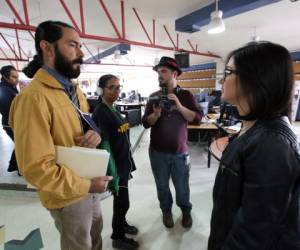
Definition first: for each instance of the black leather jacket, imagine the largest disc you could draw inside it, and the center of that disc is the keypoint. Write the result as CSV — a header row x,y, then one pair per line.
x,y
256,191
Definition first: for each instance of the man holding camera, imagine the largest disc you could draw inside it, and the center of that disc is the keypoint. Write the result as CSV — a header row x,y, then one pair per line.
x,y
167,113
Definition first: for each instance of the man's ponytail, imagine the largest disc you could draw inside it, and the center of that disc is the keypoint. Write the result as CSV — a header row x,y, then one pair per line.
x,y
33,66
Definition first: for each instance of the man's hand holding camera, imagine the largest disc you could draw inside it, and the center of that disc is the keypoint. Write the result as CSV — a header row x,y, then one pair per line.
x,y
152,119
174,98
156,111
189,115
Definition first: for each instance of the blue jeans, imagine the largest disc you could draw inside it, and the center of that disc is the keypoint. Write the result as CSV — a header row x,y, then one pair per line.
x,y
177,167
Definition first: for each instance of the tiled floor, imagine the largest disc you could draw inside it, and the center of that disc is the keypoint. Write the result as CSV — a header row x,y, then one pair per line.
x,y
21,212
6,147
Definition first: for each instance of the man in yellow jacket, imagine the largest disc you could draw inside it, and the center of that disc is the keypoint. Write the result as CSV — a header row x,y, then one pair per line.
x,y
45,114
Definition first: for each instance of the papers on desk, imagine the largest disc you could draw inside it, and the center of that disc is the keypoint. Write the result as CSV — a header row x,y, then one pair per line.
x,y
206,119
236,127
85,162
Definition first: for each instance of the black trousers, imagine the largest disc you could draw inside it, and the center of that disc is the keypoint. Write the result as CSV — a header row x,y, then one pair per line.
x,y
13,166
120,208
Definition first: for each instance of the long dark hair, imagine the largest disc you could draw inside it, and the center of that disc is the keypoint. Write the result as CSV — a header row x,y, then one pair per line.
x,y
50,31
5,71
266,78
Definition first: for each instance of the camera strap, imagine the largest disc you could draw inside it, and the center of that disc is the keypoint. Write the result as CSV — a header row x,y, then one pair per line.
x,y
86,119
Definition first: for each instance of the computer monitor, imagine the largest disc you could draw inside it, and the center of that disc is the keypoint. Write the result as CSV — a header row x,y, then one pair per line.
x,y
183,60
210,99
200,97
123,95
217,94
204,106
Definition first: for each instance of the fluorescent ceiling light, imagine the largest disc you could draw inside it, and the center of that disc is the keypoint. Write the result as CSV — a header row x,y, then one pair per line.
x,y
216,24
255,38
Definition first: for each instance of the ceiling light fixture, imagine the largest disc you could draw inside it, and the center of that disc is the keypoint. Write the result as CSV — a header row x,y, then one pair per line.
x,y
117,54
216,24
156,60
29,54
255,38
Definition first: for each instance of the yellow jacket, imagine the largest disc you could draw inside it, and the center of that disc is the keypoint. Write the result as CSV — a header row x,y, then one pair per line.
x,y
42,116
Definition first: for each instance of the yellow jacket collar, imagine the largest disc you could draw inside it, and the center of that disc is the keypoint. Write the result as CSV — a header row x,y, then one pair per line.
x,y
47,79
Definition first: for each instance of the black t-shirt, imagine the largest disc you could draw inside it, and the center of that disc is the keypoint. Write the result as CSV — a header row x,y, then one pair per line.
x,y
115,129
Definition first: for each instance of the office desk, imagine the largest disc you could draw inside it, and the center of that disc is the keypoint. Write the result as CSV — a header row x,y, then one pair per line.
x,y
212,131
217,147
130,105
203,126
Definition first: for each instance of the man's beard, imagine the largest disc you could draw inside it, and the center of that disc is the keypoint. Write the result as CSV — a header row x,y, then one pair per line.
x,y
161,81
64,66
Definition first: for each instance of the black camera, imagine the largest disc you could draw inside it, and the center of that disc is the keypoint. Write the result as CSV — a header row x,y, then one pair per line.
x,y
161,100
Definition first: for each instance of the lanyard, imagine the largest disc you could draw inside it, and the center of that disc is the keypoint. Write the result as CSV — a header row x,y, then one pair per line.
x,y
85,117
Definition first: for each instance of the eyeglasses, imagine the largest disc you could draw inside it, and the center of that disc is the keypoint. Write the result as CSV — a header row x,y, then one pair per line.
x,y
115,88
228,72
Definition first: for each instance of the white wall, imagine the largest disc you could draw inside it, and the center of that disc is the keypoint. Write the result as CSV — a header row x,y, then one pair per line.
x,y
142,79
219,71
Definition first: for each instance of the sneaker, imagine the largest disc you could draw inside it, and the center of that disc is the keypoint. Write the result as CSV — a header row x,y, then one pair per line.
x,y
187,220
125,244
168,219
132,230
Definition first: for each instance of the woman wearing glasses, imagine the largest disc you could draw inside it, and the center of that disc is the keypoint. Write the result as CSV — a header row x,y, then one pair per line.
x,y
115,134
256,191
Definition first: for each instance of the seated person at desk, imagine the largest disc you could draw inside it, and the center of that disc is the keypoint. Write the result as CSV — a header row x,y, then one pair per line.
x,y
115,133
228,115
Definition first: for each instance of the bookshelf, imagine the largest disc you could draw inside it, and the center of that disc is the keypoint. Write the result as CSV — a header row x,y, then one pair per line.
x,y
198,77
296,66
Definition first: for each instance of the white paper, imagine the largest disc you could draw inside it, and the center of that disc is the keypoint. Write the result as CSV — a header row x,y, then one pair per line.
x,y
85,162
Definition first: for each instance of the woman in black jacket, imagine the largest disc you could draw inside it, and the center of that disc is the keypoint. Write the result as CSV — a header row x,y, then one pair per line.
x,y
115,131
256,191
8,91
